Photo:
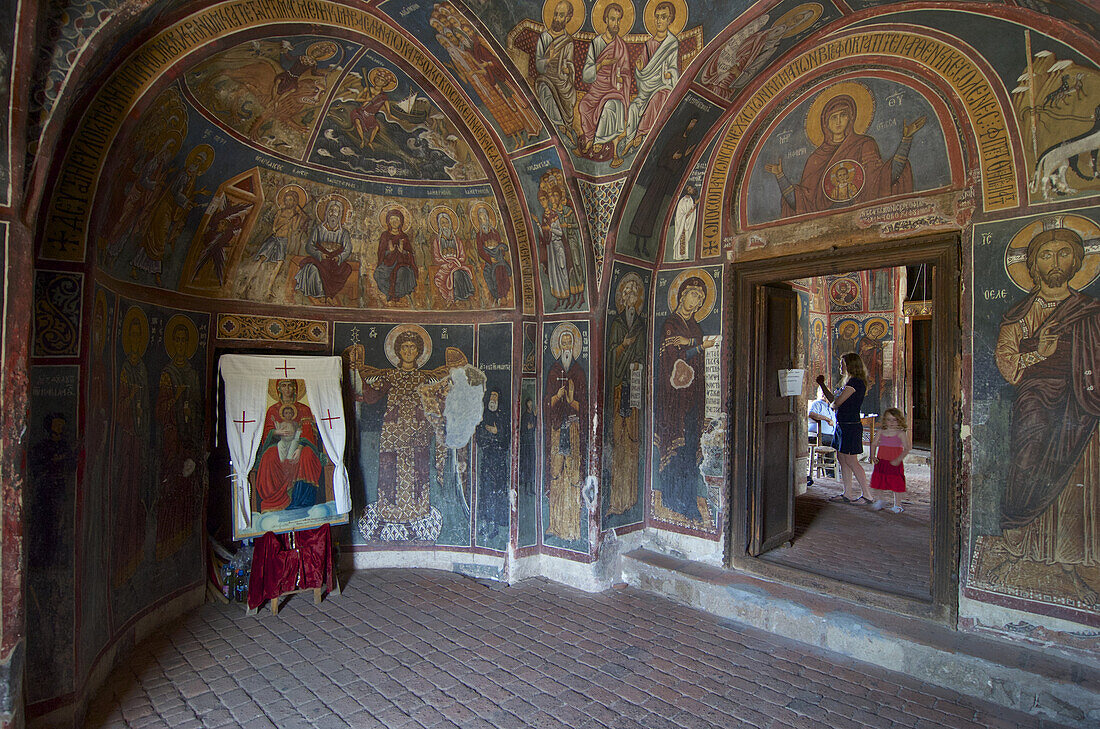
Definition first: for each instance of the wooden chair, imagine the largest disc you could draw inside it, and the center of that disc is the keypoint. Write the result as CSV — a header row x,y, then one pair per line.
x,y
822,459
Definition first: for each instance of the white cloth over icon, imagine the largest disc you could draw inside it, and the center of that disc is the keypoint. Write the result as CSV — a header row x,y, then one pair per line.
x,y
247,379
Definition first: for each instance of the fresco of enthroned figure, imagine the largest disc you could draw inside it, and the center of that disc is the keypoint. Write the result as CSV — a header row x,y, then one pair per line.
x,y
604,89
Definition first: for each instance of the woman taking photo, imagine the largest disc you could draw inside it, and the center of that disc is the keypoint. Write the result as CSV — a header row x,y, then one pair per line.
x,y
848,437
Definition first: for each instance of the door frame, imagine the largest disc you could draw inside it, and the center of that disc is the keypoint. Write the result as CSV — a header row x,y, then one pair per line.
x,y
944,253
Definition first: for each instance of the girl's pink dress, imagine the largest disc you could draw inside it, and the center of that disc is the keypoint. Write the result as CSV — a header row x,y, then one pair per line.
x,y
887,477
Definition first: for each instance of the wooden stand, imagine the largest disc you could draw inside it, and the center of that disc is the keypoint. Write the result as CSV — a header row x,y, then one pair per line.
x,y
318,592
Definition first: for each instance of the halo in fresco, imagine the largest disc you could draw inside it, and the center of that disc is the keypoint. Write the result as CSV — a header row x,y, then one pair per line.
x,y
675,26
865,109
301,197
555,339
574,23
391,355
799,18
322,50
622,284
322,206
880,321
382,78
201,156
389,208
625,25
433,218
135,344
489,210
1016,251
708,303
192,343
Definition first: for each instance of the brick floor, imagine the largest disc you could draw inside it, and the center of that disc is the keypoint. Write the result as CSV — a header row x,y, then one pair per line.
x,y
849,542
426,649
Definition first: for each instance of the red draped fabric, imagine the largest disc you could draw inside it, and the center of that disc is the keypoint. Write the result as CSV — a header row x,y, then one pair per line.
x,y
277,568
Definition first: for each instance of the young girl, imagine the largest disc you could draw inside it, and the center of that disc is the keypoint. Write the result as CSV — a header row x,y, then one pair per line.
x,y
889,449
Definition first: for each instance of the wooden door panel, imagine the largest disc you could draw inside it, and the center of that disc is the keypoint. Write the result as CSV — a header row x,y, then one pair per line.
x,y
773,480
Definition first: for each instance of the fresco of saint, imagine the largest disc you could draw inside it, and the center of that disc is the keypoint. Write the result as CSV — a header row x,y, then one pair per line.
x,y
403,510
556,73
131,440
325,271
603,107
656,73
179,411
396,272
565,406
1048,348
626,352
679,407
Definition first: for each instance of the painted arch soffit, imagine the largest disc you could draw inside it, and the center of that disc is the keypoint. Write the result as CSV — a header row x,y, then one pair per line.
x,y
374,54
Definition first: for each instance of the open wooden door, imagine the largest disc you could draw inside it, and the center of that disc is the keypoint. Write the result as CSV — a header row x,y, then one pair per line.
x,y
772,482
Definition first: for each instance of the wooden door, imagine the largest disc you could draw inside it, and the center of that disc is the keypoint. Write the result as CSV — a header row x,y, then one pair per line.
x,y
773,478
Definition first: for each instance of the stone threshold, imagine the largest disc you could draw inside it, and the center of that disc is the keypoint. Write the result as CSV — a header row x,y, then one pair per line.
x,y
1018,677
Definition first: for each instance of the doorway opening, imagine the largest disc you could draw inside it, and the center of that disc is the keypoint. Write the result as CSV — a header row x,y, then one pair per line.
x,y
790,520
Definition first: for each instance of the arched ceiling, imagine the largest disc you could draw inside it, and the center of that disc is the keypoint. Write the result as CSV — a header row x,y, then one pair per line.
x,y
257,115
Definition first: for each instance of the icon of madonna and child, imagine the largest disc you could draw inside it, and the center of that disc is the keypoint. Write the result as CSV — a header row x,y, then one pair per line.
x,y
292,479
423,441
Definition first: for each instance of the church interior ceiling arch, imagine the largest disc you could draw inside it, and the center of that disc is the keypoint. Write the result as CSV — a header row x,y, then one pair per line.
x,y
547,191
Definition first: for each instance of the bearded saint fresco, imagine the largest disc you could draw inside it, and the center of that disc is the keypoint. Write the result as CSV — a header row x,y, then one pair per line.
x,y
1048,349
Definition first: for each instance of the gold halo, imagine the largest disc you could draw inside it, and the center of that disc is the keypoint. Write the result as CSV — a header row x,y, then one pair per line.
x,y
142,342
378,70
202,154
628,16
1016,252
299,193
876,320
387,209
478,206
192,334
818,329
324,201
708,303
622,282
814,11
433,218
555,339
677,24
865,109
574,23
273,388
322,50
391,355
842,322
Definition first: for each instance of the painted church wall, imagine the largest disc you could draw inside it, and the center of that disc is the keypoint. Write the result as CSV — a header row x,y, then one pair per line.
x,y
1008,588
132,425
